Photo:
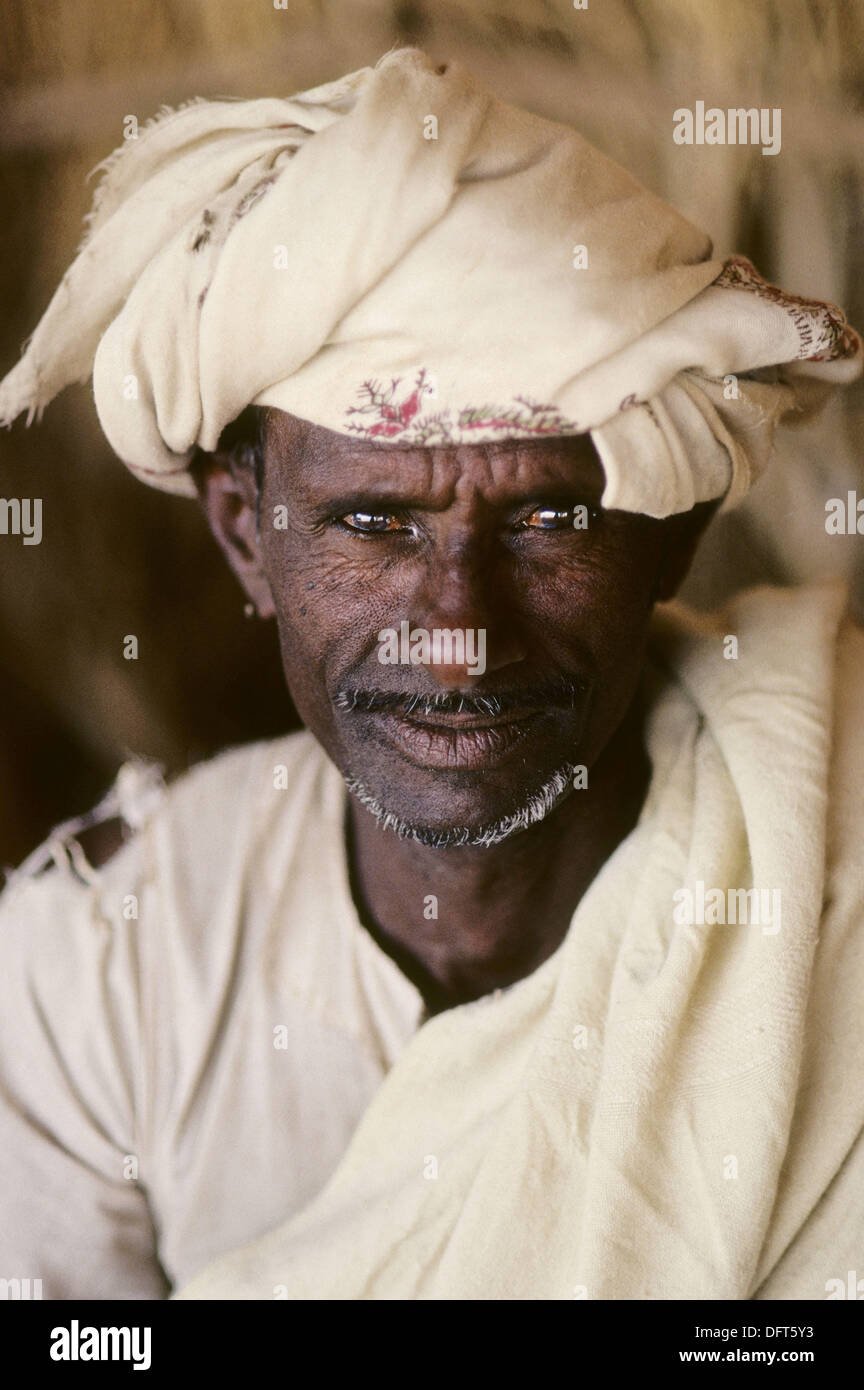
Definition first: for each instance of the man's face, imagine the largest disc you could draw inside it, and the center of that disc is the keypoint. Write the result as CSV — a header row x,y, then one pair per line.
x,y
471,538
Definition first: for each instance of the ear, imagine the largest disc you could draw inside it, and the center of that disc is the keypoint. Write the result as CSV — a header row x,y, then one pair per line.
x,y
230,505
683,535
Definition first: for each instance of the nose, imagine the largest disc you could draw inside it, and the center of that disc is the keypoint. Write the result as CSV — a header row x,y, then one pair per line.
x,y
464,600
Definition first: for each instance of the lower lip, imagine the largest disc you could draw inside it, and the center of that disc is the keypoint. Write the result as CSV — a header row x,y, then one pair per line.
x,y
456,747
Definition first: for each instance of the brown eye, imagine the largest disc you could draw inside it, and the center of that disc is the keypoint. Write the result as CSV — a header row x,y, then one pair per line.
x,y
372,523
559,518
550,518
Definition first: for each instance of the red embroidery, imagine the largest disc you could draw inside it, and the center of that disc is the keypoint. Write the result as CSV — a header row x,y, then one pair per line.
x,y
389,417
823,333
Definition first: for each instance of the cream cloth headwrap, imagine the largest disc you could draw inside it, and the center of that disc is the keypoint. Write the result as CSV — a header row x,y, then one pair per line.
x,y
395,255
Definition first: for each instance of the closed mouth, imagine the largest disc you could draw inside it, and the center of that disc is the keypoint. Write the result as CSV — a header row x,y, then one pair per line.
x,y
457,740
465,720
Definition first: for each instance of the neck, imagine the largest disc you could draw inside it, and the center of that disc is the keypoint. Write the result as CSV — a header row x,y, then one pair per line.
x,y
462,922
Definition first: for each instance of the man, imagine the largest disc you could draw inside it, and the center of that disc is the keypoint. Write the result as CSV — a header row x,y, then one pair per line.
x,y
458,397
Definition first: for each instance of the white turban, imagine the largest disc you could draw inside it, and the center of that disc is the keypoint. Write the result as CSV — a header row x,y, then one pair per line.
x,y
401,256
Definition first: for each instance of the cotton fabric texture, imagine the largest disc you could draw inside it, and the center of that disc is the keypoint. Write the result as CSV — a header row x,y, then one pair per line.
x,y
708,1142
272,1071
396,255
174,1083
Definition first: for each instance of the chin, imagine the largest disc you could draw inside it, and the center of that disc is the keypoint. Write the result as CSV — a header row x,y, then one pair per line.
x,y
466,819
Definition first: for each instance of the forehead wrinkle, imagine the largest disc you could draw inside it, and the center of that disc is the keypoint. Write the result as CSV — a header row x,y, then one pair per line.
x,y
471,474
514,469
387,470
493,471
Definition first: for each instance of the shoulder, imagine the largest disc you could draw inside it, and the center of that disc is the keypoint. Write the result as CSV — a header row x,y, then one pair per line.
x,y
74,936
218,828
766,653
246,777
114,979
213,805
763,620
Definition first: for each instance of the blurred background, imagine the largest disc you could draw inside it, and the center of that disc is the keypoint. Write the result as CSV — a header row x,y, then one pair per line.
x,y
119,558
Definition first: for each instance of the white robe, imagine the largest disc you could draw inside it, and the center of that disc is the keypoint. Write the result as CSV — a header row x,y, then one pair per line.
x,y
175,1084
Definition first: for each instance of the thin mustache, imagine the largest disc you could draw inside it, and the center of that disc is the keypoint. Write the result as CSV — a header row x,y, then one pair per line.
x,y
563,694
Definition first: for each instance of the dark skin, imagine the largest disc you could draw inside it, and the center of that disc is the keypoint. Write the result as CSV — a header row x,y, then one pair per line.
x,y
483,537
